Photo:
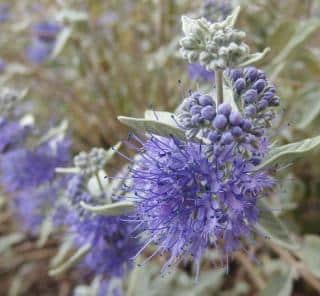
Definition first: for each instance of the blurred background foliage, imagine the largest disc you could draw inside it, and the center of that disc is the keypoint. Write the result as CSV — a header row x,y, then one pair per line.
x,y
121,57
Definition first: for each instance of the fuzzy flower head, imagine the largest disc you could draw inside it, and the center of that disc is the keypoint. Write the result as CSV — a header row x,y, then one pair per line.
x,y
26,168
187,203
110,238
32,205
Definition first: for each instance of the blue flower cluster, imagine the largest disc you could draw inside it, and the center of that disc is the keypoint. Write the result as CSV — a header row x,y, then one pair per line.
x,y
111,240
196,194
43,41
28,173
187,203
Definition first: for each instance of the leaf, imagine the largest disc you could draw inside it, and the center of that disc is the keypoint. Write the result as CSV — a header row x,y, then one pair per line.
x,y
272,226
72,16
45,231
154,126
279,285
289,152
60,43
57,131
310,253
309,108
112,151
64,248
9,240
255,57
302,33
232,18
115,209
73,260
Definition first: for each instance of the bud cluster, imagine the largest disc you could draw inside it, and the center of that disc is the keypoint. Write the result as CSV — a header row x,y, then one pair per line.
x,y
225,125
197,113
254,94
213,45
91,162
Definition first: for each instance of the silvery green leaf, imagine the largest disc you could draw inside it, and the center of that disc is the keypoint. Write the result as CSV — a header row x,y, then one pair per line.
x,y
57,131
72,261
68,170
115,209
16,285
154,126
288,190
272,226
162,116
89,290
112,151
192,26
279,285
232,18
310,253
9,240
255,57
93,185
289,152
72,16
309,108
303,32
63,250
45,231
61,41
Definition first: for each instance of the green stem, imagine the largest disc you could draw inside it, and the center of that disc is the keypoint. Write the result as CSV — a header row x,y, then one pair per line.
x,y
219,85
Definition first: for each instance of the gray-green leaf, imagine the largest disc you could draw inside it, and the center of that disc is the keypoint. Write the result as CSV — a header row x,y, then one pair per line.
x,y
115,209
153,126
310,253
61,42
72,261
279,285
289,152
272,226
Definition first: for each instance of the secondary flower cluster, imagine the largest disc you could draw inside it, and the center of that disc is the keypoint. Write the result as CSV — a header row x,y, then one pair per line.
x,y
28,170
112,244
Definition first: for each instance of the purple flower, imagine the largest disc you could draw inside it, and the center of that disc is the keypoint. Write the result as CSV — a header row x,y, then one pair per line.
x,y
3,65
113,244
24,168
12,134
4,12
198,72
216,10
187,203
31,205
43,41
